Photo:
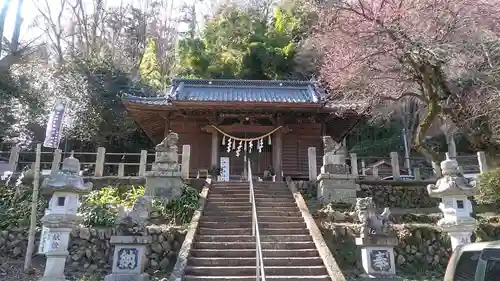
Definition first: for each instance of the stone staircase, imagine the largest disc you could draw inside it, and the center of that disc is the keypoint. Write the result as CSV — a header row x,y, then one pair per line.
x,y
224,249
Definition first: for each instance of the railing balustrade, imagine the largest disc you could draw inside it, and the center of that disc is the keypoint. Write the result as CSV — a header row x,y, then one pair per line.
x,y
260,274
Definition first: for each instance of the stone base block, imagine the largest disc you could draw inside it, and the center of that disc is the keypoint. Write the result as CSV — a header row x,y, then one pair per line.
x,y
336,189
164,186
127,277
52,278
378,260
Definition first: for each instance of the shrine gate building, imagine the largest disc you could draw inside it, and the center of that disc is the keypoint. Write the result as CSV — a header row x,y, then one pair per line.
x,y
273,123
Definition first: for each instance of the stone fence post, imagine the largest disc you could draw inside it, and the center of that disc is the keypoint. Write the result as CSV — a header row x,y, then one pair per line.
x,y
143,163
99,162
354,165
14,158
121,170
185,158
312,163
395,166
483,165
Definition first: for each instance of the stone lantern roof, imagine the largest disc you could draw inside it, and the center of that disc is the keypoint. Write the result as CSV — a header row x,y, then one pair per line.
x,y
67,179
452,183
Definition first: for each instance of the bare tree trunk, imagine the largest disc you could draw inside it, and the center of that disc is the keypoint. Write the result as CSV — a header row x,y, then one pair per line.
x,y
14,42
3,16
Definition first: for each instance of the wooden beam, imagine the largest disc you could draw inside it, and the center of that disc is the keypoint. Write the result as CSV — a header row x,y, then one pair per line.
x,y
239,128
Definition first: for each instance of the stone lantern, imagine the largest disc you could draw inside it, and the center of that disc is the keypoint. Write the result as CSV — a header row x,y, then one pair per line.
x,y
65,186
454,189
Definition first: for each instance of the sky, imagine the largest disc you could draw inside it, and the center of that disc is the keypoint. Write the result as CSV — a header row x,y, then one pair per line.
x,y
29,12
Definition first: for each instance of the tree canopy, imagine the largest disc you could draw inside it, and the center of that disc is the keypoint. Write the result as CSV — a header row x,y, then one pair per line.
x,y
245,44
438,53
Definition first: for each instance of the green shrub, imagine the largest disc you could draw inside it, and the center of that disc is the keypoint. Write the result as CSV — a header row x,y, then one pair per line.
x,y
489,188
178,211
99,208
15,206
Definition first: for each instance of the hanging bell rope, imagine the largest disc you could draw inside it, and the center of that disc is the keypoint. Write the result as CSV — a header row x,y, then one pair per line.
x,y
249,139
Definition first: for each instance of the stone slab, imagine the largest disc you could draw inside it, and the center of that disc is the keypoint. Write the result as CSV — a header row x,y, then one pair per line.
x,y
130,240
129,259
127,277
378,261
164,187
377,240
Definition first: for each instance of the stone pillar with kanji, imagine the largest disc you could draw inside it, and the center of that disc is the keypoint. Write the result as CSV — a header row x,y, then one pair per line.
x,y
64,188
377,240
454,190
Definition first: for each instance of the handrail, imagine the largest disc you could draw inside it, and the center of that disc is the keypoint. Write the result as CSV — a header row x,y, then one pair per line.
x,y
259,266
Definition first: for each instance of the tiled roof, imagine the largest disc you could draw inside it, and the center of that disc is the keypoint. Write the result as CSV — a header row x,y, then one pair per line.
x,y
235,91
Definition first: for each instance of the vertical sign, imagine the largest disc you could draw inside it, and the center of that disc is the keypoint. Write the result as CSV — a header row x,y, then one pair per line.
x,y
224,167
54,126
44,238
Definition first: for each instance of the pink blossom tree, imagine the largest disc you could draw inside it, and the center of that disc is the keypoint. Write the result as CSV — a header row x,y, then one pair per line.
x,y
441,53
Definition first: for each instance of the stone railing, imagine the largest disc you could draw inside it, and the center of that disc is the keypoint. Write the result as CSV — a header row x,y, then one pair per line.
x,y
99,163
395,166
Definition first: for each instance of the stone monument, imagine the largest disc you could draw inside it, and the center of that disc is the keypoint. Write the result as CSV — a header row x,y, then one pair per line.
x,y
336,184
64,186
129,256
377,240
164,180
454,189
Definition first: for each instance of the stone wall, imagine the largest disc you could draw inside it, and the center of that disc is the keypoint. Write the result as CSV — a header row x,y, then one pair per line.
x,y
393,194
422,247
90,248
397,194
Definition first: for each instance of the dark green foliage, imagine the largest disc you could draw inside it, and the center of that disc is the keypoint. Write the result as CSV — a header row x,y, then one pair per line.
x,y
489,188
244,44
15,206
98,209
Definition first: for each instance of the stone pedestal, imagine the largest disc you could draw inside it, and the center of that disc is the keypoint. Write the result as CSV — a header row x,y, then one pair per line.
x,y
165,178
167,184
377,256
56,252
336,188
129,258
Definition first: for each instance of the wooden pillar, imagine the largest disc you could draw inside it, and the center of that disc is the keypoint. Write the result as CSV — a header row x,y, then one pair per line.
x,y
215,148
277,143
312,163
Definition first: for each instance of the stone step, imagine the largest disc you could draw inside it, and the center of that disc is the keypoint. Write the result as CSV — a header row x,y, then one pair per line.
x,y
249,218
244,224
257,203
249,207
245,198
249,278
250,253
250,270
250,238
248,231
286,261
251,245
249,213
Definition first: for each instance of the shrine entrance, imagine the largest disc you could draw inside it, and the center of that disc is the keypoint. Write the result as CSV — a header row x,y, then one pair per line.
x,y
261,159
